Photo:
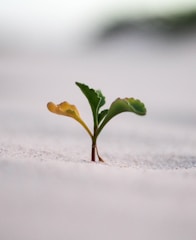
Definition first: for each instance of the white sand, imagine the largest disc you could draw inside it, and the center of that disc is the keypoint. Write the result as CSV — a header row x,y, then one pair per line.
x,y
50,190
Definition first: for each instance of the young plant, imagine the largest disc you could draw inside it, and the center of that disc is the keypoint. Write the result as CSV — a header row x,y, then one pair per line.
x,y
100,117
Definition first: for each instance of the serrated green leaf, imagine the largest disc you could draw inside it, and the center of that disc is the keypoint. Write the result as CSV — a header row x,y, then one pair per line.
x,y
95,99
100,95
122,105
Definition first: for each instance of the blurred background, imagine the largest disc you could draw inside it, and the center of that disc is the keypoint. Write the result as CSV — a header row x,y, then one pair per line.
x,y
54,26
144,49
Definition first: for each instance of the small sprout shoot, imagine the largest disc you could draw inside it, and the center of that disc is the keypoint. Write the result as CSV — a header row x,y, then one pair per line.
x,y
100,117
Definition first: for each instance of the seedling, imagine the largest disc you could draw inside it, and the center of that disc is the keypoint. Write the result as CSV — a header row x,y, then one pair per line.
x,y
100,117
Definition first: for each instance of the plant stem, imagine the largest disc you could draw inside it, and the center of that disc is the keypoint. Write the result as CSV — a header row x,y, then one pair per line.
x,y
93,156
94,147
100,159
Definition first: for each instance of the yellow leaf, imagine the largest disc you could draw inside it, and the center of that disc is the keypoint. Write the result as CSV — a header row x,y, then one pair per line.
x,y
68,110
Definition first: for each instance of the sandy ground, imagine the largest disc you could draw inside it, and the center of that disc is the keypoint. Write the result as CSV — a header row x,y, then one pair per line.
x,y
49,189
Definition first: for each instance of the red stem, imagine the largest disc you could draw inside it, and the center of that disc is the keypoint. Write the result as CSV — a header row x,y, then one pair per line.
x,y
93,156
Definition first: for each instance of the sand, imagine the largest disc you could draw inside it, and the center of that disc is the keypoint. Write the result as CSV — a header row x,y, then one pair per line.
x,y
146,189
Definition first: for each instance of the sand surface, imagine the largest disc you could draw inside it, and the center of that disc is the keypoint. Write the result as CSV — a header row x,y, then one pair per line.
x,y
50,190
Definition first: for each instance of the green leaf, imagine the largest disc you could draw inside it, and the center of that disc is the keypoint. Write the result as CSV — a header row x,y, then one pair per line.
x,y
95,98
101,115
122,105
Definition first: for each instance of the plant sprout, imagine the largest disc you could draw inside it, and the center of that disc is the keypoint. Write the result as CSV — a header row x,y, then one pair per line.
x,y
100,117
